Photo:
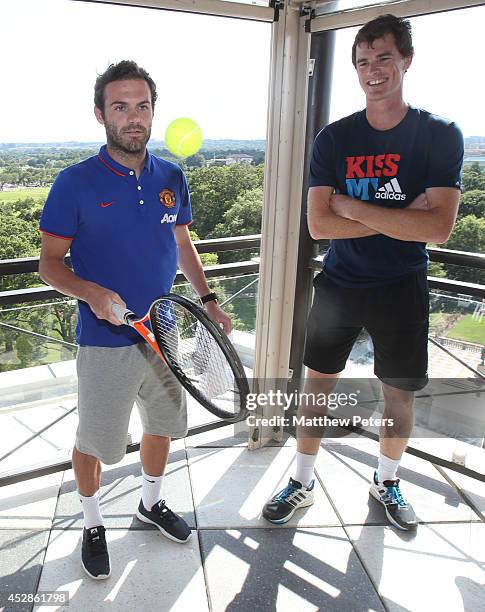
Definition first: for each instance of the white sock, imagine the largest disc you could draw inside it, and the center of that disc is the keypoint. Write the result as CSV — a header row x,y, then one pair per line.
x,y
387,468
91,511
304,468
150,489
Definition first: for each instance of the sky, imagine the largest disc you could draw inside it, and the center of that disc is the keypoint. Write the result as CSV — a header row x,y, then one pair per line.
x,y
214,70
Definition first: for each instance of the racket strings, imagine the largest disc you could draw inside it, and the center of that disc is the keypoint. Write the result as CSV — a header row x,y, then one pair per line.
x,y
193,350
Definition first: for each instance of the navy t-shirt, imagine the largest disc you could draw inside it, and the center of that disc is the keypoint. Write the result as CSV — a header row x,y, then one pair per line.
x,y
388,168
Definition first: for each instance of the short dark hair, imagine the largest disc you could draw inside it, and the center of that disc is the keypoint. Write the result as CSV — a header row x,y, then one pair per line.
x,y
379,27
126,69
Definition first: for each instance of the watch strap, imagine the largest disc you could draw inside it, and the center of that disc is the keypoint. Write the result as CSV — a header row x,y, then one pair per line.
x,y
210,297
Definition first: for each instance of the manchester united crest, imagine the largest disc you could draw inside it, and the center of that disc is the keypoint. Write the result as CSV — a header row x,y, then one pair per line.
x,y
167,198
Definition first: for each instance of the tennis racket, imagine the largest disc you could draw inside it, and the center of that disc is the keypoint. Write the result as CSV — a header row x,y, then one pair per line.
x,y
196,350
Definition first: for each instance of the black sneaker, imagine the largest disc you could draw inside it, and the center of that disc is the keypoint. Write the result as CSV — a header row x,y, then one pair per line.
x,y
399,512
170,524
94,553
282,506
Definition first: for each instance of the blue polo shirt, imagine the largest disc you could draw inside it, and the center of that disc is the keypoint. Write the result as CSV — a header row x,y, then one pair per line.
x,y
121,229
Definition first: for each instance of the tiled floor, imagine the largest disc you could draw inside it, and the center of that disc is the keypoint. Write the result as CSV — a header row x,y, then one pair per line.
x,y
338,554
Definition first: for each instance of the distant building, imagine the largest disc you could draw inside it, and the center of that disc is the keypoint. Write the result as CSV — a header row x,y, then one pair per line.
x,y
475,142
236,158
216,162
475,150
239,158
474,159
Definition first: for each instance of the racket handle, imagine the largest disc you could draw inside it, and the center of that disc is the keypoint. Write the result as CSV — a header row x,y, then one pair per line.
x,y
122,314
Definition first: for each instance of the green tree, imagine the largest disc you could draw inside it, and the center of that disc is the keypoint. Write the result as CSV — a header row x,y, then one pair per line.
x,y
473,177
214,189
17,237
207,259
436,269
468,235
29,351
243,218
472,203
195,161
29,209
64,321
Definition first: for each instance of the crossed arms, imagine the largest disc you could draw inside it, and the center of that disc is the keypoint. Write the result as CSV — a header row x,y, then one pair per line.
x,y
429,218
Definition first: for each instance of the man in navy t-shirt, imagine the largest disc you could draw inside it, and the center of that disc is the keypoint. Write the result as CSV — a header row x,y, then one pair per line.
x,y
124,215
383,182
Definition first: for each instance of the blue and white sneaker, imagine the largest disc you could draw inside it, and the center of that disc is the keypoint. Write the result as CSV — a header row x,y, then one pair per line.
x,y
398,511
282,506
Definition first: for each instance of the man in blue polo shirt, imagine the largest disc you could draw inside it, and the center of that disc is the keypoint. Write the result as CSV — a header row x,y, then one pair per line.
x,y
124,215
383,182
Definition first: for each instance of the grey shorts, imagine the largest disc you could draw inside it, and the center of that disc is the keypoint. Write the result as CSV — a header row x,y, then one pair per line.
x,y
110,381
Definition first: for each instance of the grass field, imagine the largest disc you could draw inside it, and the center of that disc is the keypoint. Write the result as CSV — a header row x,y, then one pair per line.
x,y
469,330
20,194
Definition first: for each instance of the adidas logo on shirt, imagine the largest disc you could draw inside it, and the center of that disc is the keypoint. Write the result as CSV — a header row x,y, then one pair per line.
x,y
390,191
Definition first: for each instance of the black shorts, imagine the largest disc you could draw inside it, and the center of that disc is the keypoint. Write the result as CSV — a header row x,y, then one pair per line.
x,y
396,317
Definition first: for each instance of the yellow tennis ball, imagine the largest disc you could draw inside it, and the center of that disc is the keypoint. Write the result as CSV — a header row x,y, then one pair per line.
x,y
183,137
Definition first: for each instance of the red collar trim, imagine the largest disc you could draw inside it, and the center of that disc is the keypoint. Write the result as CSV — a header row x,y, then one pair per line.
x,y
103,161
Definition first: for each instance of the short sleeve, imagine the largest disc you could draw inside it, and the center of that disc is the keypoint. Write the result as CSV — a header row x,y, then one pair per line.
x,y
60,215
184,216
446,156
323,165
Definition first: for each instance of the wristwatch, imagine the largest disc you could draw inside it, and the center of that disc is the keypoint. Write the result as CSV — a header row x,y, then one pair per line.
x,y
210,297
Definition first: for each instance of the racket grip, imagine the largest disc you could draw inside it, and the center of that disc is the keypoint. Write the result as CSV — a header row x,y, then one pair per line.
x,y
122,314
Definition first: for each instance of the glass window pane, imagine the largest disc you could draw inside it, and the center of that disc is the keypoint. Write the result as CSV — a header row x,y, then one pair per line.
x,y
444,81
214,70
440,71
196,61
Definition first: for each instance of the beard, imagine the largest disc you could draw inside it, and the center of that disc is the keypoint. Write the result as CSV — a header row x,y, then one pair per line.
x,y
127,143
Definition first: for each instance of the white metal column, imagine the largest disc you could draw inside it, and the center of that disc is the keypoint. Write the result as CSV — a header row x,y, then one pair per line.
x,y
285,147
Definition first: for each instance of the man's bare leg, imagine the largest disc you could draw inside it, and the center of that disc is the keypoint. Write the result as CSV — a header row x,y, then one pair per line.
x,y
154,453
316,382
398,406
87,470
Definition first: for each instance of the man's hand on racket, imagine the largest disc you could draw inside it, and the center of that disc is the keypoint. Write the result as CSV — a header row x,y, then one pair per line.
x,y
101,301
216,313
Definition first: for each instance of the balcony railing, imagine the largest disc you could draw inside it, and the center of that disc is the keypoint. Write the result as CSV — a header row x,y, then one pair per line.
x,y
446,256
12,267
36,294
